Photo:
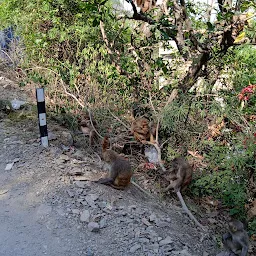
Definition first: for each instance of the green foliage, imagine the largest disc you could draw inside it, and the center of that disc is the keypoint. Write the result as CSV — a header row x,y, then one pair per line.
x,y
225,186
226,177
252,226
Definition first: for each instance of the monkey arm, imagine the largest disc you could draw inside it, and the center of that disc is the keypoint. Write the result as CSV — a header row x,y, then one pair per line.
x,y
226,236
244,250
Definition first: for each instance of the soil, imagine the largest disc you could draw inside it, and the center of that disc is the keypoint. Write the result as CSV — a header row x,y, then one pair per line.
x,y
50,206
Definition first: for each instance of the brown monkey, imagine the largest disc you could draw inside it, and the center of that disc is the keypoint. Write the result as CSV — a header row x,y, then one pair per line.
x,y
146,5
87,126
143,130
120,171
180,176
237,239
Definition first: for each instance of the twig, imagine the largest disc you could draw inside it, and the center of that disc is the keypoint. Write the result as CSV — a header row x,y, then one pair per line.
x,y
118,119
7,55
62,83
90,116
141,189
151,103
172,97
164,142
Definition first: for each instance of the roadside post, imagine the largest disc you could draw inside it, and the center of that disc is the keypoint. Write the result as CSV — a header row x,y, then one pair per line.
x,y
42,116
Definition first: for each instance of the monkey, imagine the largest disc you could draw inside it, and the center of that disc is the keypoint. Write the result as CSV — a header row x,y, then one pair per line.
x,y
145,5
87,126
180,176
237,239
120,171
143,130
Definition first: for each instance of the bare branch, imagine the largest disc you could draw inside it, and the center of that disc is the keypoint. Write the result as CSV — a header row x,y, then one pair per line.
x,y
90,116
118,119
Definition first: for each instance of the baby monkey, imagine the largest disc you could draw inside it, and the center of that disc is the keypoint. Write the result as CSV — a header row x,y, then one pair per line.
x,y
120,171
237,239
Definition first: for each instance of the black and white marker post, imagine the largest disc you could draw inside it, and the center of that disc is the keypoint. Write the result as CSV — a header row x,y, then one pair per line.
x,y
42,116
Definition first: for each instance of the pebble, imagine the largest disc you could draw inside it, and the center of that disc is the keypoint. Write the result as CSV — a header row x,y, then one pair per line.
x,y
9,166
134,248
93,227
85,216
166,241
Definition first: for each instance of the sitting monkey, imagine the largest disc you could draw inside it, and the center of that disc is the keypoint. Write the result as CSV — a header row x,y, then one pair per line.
x,y
180,176
237,239
120,171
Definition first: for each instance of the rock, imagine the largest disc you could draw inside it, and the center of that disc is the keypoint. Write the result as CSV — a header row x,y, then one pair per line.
x,y
80,184
144,240
89,252
153,247
93,227
166,241
64,158
4,191
15,160
75,211
60,212
70,193
85,216
79,191
145,221
103,223
67,139
161,224
51,136
184,252
94,197
79,155
96,218
120,213
102,204
131,207
134,248
9,166
226,254
16,104
90,201
152,218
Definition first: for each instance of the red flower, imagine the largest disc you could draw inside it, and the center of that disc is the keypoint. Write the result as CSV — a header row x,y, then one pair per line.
x,y
246,92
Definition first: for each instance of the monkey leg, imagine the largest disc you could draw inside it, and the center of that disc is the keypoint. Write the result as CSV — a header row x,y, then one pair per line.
x,y
170,186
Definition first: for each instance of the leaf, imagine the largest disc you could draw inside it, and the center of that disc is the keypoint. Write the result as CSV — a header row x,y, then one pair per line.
x,y
103,2
240,37
210,26
95,23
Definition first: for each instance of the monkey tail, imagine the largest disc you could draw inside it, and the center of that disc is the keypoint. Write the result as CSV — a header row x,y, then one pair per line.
x,y
105,144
